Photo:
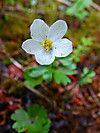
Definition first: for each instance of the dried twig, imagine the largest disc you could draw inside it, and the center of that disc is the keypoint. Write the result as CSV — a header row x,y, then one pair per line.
x,y
94,5
66,2
38,93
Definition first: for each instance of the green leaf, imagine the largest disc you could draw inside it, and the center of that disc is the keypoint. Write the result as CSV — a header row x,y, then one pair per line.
x,y
70,72
22,119
26,74
35,75
23,116
34,120
60,77
33,82
36,109
37,71
47,76
66,61
33,129
19,126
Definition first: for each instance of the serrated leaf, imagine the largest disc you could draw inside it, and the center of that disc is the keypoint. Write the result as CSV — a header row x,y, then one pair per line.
x,y
60,77
34,120
23,116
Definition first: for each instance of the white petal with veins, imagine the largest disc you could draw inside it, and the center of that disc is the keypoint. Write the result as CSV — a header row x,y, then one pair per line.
x,y
57,30
39,30
44,58
62,47
31,46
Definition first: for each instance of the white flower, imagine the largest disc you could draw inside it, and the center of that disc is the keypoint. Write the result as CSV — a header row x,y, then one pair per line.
x,y
47,42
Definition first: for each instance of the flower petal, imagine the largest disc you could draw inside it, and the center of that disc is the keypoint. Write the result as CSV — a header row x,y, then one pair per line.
x,y
62,48
44,58
31,46
57,30
39,30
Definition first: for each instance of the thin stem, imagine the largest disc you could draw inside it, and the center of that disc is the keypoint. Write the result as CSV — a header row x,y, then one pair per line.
x,y
38,93
78,82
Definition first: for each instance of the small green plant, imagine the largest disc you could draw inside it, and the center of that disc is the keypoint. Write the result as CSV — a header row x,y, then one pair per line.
x,y
82,48
78,8
34,120
58,70
88,79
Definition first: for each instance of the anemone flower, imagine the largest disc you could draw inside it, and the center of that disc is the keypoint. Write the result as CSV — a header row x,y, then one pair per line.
x,y
47,42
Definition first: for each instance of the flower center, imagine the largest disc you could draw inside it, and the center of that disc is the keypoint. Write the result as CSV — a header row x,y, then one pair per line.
x,y
47,44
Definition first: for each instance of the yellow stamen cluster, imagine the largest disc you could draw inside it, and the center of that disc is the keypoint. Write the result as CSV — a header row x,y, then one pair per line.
x,y
47,44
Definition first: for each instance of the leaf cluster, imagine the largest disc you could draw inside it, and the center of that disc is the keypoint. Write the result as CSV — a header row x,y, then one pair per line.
x,y
78,8
34,120
58,71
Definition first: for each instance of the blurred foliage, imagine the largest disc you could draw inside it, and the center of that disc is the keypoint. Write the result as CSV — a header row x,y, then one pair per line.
x,y
6,61
34,120
10,2
78,8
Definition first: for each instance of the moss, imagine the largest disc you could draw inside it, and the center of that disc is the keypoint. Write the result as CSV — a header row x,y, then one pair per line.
x,y
88,28
50,8
13,86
